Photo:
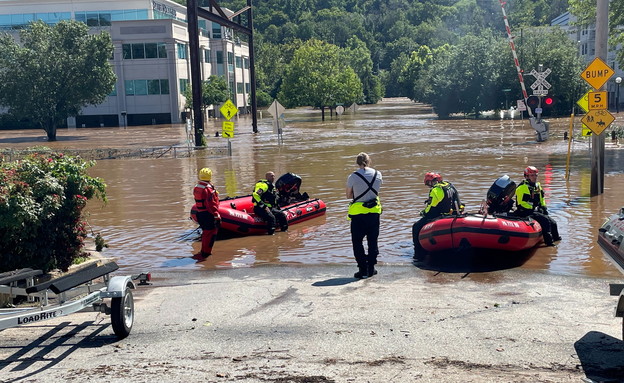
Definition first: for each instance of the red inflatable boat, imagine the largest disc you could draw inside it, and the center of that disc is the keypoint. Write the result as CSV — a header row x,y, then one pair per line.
x,y
237,216
481,232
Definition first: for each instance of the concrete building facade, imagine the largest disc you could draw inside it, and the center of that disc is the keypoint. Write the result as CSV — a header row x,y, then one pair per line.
x,y
150,56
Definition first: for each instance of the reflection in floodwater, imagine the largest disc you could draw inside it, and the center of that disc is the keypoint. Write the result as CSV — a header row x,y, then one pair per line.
x,y
150,198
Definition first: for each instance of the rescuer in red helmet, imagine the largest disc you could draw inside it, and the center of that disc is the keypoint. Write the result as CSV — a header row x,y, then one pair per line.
x,y
443,200
530,203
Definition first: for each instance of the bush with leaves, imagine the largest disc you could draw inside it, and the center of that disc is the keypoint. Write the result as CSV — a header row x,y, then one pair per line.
x,y
42,198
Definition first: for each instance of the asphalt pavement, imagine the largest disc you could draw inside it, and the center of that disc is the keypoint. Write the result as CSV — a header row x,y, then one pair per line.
x,y
316,323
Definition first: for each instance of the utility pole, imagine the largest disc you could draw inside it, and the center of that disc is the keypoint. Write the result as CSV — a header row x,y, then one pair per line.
x,y
598,140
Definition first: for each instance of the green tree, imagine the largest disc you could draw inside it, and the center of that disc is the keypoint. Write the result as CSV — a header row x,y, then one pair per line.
x,y
585,11
55,72
359,58
328,79
464,77
214,91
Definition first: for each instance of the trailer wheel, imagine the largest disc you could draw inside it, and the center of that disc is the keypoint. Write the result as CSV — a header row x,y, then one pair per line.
x,y
122,314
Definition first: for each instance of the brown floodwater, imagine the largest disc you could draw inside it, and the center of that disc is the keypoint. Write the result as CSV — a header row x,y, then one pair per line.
x,y
146,219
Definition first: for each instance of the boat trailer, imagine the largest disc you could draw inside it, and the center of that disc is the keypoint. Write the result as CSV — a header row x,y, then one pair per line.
x,y
90,288
611,241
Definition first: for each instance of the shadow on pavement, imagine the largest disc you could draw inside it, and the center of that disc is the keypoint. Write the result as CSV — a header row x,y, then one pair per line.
x,y
55,340
335,282
473,260
601,356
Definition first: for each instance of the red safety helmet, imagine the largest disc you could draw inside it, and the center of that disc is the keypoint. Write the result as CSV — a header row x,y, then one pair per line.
x,y
530,170
431,178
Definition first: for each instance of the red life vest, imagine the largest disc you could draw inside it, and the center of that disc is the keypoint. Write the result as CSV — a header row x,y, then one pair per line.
x,y
206,198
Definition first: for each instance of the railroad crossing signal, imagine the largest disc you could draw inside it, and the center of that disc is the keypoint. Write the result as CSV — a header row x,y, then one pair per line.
x,y
228,110
540,82
597,73
598,120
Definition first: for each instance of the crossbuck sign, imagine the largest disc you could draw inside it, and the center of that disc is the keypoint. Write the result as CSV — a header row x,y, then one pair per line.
x,y
540,82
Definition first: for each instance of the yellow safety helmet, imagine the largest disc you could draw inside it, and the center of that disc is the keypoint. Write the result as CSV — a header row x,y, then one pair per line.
x,y
205,174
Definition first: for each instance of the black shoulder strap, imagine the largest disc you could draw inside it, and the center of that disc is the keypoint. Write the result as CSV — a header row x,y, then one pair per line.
x,y
370,185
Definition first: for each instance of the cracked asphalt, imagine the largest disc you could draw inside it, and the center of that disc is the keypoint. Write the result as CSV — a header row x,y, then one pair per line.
x,y
317,324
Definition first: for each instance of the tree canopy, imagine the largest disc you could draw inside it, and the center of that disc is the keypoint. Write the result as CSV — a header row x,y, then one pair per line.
x,y
54,72
328,79
214,91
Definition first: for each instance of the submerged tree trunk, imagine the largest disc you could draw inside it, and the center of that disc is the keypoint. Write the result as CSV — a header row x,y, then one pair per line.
x,y
322,113
51,129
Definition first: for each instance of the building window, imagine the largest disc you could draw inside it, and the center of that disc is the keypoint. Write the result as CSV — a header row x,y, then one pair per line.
x,y
216,31
138,51
183,85
230,58
181,51
146,87
206,55
239,62
219,57
239,87
247,87
246,62
144,50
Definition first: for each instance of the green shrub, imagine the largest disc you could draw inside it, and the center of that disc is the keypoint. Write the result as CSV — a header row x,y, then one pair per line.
x,y
41,210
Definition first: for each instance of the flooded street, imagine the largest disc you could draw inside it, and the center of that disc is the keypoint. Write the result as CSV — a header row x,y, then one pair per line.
x,y
146,219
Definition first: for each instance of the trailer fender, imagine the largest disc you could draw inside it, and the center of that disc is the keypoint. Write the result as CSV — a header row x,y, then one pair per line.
x,y
117,287
619,309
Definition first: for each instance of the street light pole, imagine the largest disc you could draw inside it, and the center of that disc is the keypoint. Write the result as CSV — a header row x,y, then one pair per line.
x,y
618,81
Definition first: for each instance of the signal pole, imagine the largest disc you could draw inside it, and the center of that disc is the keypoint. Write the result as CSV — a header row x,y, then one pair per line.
x,y
598,140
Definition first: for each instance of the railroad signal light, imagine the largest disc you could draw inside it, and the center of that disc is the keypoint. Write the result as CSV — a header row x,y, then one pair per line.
x,y
532,102
549,101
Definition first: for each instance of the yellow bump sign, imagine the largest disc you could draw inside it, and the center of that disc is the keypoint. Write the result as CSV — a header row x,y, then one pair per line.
x,y
597,73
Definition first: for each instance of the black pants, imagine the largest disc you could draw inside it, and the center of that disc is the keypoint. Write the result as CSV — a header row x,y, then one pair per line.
x,y
419,251
270,217
365,225
550,231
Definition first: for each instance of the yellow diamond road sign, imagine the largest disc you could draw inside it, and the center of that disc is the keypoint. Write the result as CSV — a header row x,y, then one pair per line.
x,y
597,73
583,102
228,110
598,120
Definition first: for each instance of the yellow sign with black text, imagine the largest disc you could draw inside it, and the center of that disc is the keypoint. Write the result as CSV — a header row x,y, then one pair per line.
x,y
597,73
598,120
597,100
228,129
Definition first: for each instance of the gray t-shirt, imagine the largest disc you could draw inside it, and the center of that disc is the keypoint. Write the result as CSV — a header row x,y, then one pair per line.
x,y
359,186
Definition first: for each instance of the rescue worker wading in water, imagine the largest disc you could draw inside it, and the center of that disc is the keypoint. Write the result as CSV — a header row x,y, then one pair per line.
x,y
207,205
265,204
443,200
530,203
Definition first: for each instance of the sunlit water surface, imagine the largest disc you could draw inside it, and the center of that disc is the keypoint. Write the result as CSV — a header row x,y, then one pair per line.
x,y
146,219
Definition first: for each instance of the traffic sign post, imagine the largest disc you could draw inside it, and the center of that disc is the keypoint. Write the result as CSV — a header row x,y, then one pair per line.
x,y
228,110
540,88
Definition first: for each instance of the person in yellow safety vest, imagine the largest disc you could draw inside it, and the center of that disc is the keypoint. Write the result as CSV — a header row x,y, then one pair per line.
x,y
530,203
443,200
364,212
208,217
265,204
